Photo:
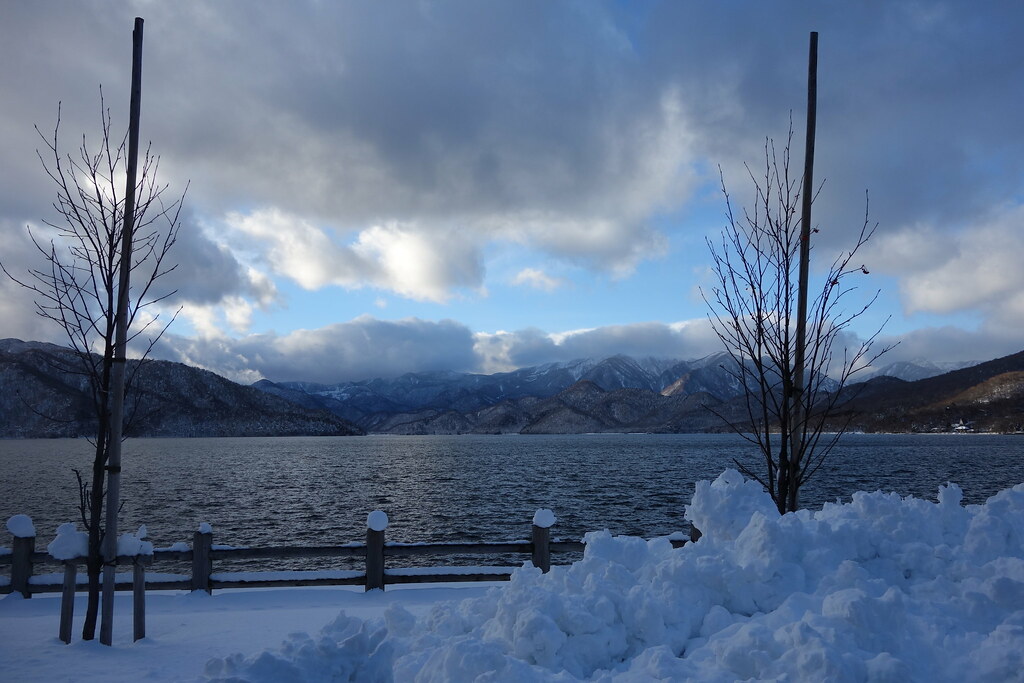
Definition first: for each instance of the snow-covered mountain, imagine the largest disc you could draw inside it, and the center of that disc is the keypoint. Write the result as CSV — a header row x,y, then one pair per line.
x,y
911,371
44,394
644,393
464,392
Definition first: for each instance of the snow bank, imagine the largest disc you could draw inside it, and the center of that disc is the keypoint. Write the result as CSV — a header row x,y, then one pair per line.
x,y
882,588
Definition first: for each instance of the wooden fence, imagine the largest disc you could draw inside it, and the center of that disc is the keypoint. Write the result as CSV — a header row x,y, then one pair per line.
x,y
23,559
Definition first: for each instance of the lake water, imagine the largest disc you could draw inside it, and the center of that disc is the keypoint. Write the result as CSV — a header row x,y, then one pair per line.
x,y
317,490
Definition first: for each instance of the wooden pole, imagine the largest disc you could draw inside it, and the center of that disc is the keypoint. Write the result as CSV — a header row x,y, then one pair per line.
x,y
139,598
374,559
542,548
117,372
796,425
67,600
21,564
202,562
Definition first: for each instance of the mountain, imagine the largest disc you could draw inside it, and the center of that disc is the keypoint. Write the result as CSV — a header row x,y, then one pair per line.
x,y
913,370
41,395
622,394
373,404
616,394
983,397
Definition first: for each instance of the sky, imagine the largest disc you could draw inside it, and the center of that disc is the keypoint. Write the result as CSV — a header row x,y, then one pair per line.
x,y
379,188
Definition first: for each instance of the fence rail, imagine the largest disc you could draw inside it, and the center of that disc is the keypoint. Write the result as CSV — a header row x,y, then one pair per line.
x,y
23,558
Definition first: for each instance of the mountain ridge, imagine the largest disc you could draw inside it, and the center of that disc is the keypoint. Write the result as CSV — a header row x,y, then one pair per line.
x,y
615,394
42,395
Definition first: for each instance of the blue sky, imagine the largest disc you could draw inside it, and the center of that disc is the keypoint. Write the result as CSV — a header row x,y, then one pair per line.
x,y
378,188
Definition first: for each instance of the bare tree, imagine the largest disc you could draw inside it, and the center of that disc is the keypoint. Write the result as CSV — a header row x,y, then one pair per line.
x,y
76,286
753,309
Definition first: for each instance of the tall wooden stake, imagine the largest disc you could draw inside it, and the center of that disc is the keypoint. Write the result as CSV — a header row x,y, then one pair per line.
x,y
117,371
796,425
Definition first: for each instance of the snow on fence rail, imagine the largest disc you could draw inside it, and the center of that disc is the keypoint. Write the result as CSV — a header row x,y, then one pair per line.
x,y
23,558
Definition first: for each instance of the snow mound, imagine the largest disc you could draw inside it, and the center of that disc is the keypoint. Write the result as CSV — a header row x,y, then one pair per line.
x,y
134,544
377,520
21,526
544,518
69,543
882,588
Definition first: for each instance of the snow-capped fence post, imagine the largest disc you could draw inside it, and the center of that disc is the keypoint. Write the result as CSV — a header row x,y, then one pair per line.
x,y
67,600
202,560
376,523
22,547
541,538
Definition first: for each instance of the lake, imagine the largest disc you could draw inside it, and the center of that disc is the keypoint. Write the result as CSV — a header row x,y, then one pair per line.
x,y
318,490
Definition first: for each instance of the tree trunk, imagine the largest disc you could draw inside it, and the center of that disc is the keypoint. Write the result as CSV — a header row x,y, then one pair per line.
x,y
94,560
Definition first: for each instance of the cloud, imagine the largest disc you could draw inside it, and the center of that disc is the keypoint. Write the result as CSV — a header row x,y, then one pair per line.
x,y
398,148
374,118
948,343
395,257
365,348
362,348
979,268
17,304
969,269
537,279
503,351
208,272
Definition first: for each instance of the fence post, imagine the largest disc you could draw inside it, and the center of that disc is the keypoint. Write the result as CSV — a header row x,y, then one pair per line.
x,y
542,521
376,523
202,562
67,600
21,564
139,597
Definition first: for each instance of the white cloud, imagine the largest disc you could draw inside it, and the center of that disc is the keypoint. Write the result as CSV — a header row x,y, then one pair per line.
x,y
418,264
975,269
502,351
537,279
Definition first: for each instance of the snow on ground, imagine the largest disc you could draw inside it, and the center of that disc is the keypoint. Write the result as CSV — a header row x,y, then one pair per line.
x,y
878,589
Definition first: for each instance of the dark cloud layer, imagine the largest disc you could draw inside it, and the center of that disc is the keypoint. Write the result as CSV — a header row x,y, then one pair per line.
x,y
359,349
393,133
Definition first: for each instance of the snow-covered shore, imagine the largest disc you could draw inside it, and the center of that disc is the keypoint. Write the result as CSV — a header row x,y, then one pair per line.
x,y
878,589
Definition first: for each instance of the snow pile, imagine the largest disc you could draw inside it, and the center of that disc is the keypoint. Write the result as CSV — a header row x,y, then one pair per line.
x,y
21,526
377,520
134,544
69,543
882,588
205,528
544,518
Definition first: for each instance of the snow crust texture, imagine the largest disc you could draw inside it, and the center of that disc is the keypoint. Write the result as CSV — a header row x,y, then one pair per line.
x,y
882,588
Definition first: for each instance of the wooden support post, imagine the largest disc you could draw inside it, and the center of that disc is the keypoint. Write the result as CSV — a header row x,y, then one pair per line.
x,y
21,564
139,598
542,548
374,559
202,561
67,600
